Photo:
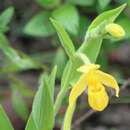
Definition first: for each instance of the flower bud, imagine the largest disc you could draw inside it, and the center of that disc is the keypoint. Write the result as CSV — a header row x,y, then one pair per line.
x,y
115,30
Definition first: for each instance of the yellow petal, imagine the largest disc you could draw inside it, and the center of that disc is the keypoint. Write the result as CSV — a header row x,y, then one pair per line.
x,y
87,67
78,88
98,100
108,80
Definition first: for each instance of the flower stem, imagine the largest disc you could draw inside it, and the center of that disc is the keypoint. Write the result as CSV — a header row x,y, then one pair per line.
x,y
69,116
59,99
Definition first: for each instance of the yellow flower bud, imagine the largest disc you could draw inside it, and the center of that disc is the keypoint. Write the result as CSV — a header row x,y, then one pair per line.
x,y
115,30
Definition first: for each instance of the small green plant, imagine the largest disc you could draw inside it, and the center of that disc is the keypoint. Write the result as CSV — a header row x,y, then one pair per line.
x,y
45,107
75,16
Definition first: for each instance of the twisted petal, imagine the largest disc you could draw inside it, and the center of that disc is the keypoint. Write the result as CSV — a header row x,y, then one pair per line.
x,y
98,100
108,80
77,90
87,67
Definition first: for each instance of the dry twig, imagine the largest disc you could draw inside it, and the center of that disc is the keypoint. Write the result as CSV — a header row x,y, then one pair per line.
x,y
82,118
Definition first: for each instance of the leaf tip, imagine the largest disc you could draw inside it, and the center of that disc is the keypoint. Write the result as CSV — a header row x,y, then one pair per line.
x,y
122,7
51,19
55,68
11,9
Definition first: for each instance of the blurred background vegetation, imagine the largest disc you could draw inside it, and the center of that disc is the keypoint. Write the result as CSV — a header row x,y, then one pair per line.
x,y
30,46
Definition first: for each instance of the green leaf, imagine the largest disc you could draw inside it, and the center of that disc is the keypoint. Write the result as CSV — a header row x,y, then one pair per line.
x,y
84,23
21,87
64,38
65,81
103,60
51,81
42,111
103,3
21,62
108,16
5,18
13,67
91,50
60,60
44,57
30,124
48,3
19,105
4,121
83,2
39,25
68,16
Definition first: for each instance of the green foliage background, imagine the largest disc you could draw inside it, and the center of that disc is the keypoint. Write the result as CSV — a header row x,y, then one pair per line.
x,y
71,20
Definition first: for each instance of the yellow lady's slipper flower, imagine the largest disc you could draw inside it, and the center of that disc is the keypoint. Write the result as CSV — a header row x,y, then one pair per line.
x,y
115,30
94,81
